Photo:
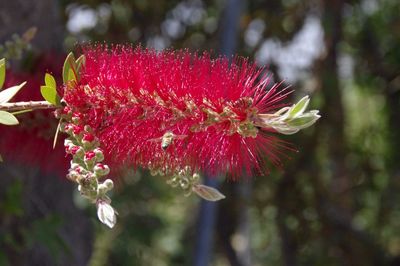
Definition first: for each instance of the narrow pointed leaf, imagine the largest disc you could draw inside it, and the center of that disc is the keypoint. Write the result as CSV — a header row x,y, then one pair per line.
x,y
22,112
50,94
8,119
79,63
2,72
285,130
208,193
299,108
8,93
69,64
50,81
1,159
56,135
303,121
71,75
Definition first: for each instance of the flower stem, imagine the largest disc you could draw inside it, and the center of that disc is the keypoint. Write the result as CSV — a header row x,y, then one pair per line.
x,y
31,105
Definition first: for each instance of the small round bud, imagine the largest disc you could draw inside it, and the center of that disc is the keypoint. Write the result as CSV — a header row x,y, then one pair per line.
x,y
99,154
89,155
77,151
68,128
88,137
66,110
74,166
101,189
57,113
88,140
173,182
109,184
101,169
77,130
76,117
184,183
195,177
87,128
73,176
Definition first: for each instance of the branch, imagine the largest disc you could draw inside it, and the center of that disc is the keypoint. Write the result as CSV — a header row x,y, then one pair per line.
x,y
31,105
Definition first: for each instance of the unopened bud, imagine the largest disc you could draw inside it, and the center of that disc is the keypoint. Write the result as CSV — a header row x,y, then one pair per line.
x,y
77,130
195,177
76,117
101,169
88,128
74,166
68,128
73,176
99,154
184,183
87,137
57,113
109,184
77,151
89,159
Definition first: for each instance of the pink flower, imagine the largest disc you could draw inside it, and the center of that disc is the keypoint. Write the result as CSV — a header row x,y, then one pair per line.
x,y
169,110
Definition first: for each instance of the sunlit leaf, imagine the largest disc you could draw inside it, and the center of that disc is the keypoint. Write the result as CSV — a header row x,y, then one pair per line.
x,y
2,72
69,64
304,121
71,75
286,130
8,93
50,94
79,63
8,119
207,193
299,108
50,81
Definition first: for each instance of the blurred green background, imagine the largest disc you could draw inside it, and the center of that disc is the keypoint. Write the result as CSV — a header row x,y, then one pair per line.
x,y
336,201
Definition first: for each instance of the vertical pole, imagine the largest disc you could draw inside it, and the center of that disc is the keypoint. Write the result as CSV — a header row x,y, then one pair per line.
x,y
208,210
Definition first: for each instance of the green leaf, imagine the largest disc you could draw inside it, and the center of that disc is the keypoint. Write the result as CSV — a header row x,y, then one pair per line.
x,y
22,111
8,119
69,64
1,159
299,108
8,93
50,81
208,193
79,63
2,72
304,121
71,75
286,130
50,95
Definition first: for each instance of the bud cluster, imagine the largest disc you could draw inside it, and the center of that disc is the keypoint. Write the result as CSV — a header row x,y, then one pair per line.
x,y
185,179
189,182
86,164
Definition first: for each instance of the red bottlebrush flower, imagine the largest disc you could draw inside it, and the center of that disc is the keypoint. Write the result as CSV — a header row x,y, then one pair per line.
x,y
168,110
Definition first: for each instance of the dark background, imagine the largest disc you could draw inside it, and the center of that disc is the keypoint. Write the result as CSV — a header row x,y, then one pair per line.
x,y
336,202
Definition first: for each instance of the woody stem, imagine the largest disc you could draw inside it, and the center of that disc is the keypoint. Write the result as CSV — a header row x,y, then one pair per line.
x,y
31,105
